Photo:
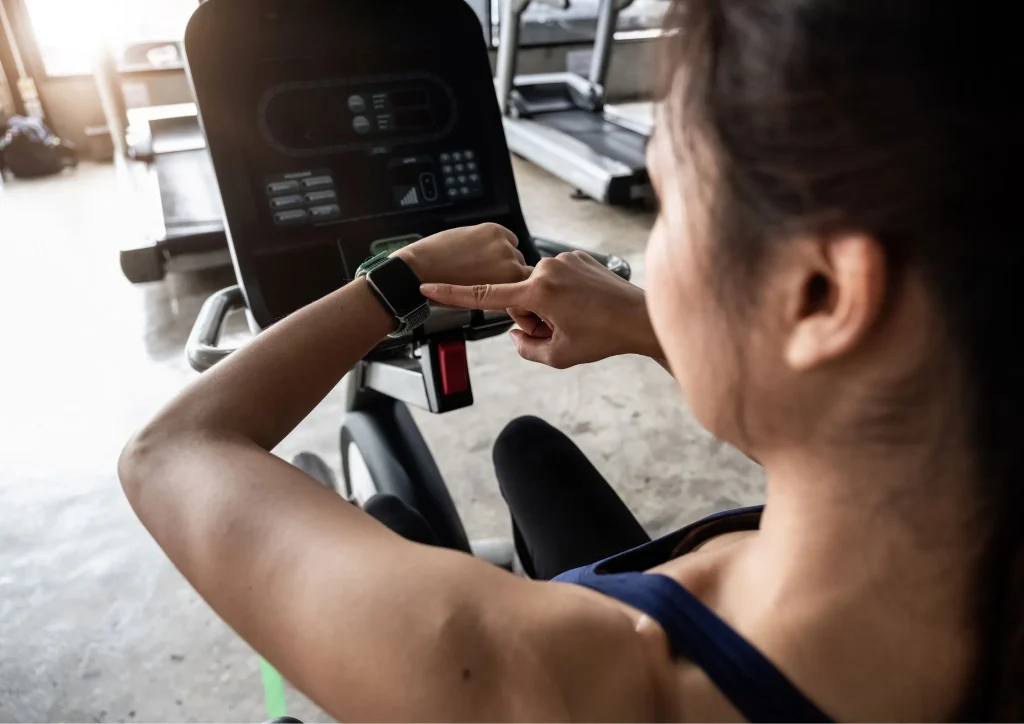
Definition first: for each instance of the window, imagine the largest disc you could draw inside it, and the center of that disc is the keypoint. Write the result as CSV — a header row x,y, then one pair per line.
x,y
143,33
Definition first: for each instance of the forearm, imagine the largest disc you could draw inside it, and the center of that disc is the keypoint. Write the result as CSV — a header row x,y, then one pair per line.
x,y
265,389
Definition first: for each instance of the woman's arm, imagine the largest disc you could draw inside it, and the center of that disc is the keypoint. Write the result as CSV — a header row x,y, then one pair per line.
x,y
367,624
265,390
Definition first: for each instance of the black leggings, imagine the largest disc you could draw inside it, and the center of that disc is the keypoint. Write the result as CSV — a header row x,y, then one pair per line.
x,y
564,514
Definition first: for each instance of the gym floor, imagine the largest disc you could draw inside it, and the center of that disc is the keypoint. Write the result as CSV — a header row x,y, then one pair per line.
x,y
95,624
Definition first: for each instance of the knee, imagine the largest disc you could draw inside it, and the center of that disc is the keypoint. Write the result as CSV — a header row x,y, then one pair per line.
x,y
525,453
519,437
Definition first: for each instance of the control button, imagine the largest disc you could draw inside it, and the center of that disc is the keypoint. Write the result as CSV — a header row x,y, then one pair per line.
x,y
462,179
471,166
282,187
447,169
464,191
451,358
286,202
474,177
449,180
445,157
468,155
361,124
319,197
460,167
428,185
356,104
295,216
316,182
325,213
457,156
453,192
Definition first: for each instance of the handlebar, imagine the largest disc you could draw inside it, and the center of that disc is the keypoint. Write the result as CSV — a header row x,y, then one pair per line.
x,y
615,264
203,352
201,349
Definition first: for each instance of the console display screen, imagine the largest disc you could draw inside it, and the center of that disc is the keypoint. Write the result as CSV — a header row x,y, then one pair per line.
x,y
344,149
303,118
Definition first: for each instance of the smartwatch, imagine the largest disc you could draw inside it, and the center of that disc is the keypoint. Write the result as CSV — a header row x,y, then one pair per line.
x,y
397,288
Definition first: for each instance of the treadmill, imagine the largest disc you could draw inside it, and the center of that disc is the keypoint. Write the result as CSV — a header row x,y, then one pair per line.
x,y
559,121
176,193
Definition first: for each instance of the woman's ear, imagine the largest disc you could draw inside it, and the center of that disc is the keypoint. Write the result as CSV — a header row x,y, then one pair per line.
x,y
837,298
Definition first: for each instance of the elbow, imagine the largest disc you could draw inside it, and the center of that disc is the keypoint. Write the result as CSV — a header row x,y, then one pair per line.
x,y
130,465
138,462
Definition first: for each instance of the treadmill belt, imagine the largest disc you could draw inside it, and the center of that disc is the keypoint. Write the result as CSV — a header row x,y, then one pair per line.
x,y
188,191
176,134
603,137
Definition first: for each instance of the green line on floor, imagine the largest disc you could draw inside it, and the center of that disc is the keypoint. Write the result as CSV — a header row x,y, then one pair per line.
x,y
273,689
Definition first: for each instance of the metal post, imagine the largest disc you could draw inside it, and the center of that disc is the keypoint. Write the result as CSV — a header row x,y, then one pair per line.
x,y
508,47
607,18
108,85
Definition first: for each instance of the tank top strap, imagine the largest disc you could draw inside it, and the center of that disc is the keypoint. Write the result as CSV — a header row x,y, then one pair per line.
x,y
741,672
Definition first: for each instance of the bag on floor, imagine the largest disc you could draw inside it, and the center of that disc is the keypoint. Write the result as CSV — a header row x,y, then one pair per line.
x,y
29,149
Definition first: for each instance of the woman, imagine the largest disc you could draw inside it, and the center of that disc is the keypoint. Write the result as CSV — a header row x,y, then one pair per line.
x,y
831,281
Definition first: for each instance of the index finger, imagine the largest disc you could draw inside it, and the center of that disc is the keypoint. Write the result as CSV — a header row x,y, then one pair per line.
x,y
488,297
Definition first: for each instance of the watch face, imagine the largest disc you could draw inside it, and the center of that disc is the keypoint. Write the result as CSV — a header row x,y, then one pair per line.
x,y
399,286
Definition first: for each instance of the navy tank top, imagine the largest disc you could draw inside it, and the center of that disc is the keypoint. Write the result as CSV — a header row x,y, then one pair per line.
x,y
741,672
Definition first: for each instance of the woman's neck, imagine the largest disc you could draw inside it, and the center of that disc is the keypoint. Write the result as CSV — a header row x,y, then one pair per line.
x,y
905,517
871,555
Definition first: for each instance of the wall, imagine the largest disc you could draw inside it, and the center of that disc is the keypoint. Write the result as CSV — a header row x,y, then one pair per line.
x,y
73,104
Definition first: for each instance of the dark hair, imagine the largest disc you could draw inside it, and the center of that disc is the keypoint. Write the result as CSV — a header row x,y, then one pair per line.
x,y
901,120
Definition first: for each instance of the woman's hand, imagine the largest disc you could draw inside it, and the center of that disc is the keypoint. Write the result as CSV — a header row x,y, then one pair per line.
x,y
483,254
570,311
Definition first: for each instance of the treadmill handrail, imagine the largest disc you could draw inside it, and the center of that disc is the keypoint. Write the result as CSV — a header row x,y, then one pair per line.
x,y
600,59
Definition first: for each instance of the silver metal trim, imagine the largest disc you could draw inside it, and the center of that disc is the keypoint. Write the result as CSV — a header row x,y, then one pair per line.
x,y
615,115
635,35
401,379
561,78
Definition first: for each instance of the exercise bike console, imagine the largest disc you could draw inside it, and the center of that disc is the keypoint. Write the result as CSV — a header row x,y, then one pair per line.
x,y
338,130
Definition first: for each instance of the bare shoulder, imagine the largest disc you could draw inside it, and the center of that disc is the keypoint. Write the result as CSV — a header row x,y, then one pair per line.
x,y
568,653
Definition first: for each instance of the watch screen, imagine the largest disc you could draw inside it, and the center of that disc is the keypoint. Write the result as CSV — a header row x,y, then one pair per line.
x,y
397,284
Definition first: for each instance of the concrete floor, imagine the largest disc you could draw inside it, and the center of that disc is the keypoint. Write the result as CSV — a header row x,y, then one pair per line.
x,y
95,624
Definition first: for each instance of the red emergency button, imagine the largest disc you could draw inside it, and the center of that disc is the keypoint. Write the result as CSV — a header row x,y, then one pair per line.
x,y
451,358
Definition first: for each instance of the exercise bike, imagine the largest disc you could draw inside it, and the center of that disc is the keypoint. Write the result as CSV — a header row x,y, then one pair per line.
x,y
338,130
